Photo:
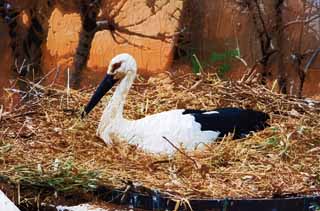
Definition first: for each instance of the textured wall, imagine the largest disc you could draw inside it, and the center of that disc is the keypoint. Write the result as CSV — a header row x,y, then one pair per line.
x,y
209,26
153,55
223,25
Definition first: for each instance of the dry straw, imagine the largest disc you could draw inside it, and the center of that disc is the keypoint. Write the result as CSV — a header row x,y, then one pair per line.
x,y
45,144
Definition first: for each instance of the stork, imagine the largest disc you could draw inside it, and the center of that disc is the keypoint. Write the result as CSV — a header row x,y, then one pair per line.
x,y
181,126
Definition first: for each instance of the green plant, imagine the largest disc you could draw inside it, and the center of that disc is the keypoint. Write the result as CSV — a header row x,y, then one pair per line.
x,y
62,176
196,65
223,60
273,141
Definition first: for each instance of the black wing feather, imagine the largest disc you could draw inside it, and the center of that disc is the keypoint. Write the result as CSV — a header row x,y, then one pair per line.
x,y
231,120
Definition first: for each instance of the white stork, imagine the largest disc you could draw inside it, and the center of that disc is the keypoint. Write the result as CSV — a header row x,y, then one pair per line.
x,y
180,126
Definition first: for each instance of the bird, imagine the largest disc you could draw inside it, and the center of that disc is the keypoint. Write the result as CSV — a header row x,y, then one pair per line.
x,y
164,132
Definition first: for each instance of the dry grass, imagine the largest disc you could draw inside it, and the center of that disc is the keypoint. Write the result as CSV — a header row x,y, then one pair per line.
x,y
45,144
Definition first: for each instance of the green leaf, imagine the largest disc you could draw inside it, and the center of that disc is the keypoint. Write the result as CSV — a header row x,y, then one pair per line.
x,y
223,69
273,141
196,65
215,57
234,53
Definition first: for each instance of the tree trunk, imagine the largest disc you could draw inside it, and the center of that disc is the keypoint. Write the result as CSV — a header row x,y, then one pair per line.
x,y
88,12
279,45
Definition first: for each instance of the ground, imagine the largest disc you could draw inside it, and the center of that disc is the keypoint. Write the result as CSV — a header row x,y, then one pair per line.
x,y
45,147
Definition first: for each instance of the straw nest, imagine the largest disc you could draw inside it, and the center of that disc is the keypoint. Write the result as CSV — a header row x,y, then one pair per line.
x,y
45,144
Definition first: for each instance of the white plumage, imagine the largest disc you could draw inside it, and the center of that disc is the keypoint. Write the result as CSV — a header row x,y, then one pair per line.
x,y
148,132
186,127
6,204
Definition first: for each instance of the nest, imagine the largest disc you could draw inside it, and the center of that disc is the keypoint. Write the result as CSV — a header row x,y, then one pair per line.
x,y
45,144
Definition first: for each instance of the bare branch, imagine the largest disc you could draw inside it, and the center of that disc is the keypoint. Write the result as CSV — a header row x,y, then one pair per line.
x,y
146,18
117,30
304,21
117,12
311,60
125,40
197,165
163,36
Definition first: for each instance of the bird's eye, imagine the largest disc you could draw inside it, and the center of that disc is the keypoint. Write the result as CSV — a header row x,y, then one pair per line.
x,y
115,66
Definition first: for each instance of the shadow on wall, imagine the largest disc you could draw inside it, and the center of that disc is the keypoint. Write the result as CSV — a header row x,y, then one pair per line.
x,y
153,54
58,26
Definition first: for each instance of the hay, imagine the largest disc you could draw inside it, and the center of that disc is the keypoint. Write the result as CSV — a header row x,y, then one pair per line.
x,y
45,144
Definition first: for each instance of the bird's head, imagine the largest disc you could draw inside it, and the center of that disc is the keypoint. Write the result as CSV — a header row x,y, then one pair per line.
x,y
119,67
122,65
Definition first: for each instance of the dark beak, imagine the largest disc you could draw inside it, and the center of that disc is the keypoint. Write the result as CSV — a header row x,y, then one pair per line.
x,y
102,89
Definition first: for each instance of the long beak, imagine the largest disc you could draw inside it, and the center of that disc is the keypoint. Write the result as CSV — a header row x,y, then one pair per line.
x,y
102,89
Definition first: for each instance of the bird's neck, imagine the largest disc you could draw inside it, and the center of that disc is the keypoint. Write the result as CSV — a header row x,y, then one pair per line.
x,y
114,110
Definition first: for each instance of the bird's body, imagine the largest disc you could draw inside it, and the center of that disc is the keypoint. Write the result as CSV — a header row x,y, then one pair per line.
x,y
187,127
149,132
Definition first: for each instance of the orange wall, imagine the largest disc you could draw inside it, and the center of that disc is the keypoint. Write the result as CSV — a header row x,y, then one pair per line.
x,y
152,55
223,26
